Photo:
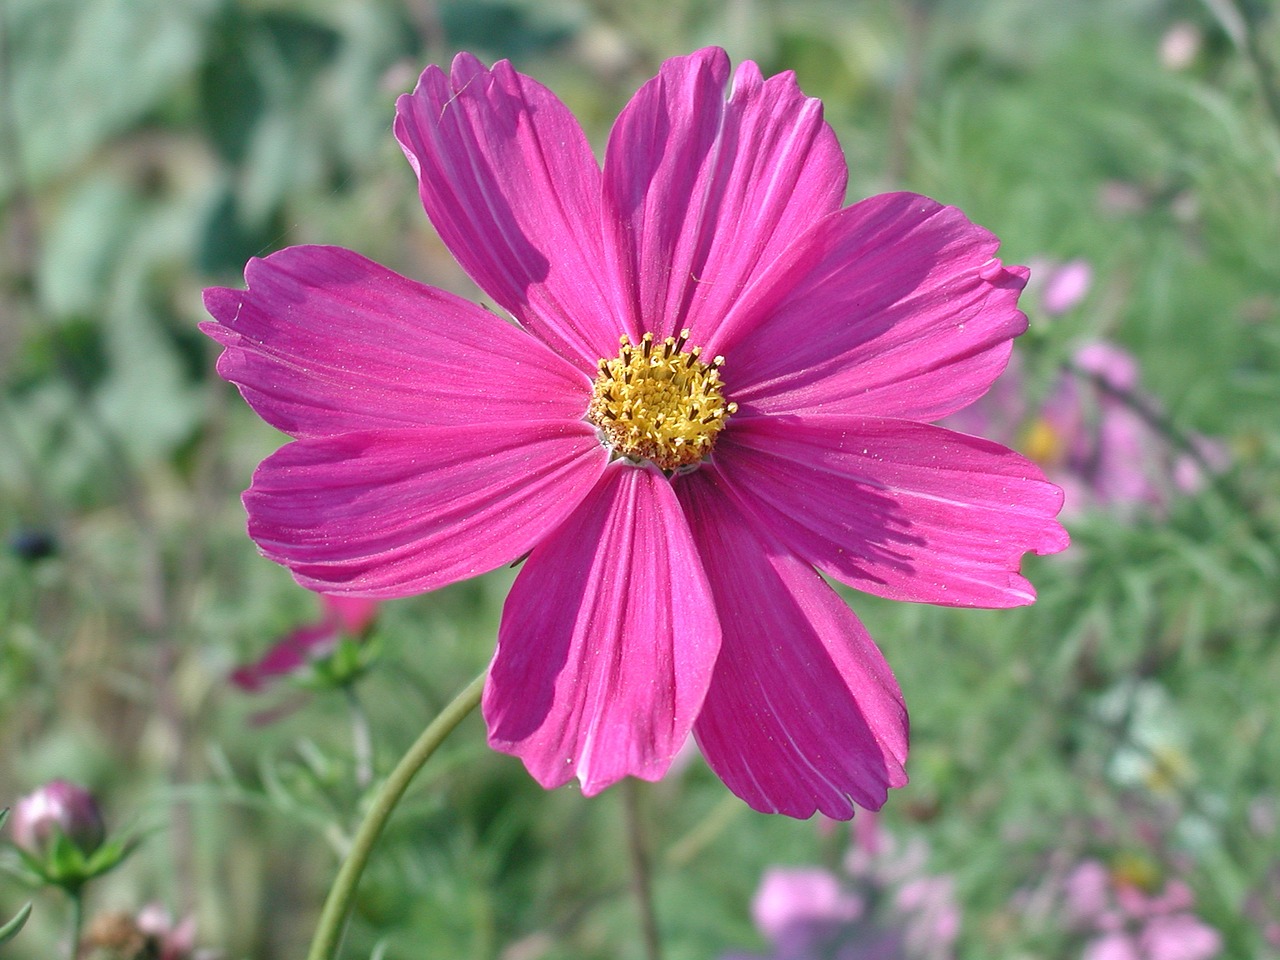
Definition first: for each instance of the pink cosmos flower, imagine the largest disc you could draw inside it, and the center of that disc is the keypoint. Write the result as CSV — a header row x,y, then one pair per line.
x,y
1089,435
884,906
1128,922
718,380
343,616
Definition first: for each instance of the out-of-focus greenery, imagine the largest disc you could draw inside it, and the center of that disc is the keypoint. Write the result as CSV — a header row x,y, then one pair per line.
x,y
148,148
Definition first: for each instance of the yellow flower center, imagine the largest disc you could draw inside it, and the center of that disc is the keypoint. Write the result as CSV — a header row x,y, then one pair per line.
x,y
1043,443
660,403
1136,870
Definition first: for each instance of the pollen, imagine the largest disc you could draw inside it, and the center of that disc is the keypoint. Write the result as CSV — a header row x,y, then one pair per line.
x,y
660,402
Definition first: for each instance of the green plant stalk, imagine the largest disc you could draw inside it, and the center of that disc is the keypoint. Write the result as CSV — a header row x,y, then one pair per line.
x,y
337,905
361,738
641,872
77,921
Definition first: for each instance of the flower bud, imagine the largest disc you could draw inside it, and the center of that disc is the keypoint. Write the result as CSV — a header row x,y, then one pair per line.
x,y
57,808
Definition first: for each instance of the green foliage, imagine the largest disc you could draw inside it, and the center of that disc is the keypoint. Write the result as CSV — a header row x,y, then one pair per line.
x,y
68,866
11,928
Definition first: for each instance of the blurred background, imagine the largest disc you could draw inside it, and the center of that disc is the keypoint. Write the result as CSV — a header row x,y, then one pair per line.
x,y
1100,771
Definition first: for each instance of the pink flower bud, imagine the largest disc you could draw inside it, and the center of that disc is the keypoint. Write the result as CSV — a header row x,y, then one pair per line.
x,y
57,807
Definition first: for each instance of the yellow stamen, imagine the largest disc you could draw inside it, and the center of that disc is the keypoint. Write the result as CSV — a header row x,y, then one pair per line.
x,y
1136,870
660,404
1043,443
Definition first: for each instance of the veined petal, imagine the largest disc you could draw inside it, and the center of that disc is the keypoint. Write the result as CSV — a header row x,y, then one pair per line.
x,y
607,642
509,181
900,509
392,513
893,307
803,714
324,342
701,192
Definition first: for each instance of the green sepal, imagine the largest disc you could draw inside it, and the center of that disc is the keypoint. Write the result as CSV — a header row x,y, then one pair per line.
x,y
351,659
66,865
10,929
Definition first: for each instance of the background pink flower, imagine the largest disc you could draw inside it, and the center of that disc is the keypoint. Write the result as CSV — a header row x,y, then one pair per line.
x,y
884,906
1091,433
343,616
719,380
1124,919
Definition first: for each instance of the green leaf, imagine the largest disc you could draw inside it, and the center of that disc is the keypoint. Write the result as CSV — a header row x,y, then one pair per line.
x,y
110,855
84,70
10,929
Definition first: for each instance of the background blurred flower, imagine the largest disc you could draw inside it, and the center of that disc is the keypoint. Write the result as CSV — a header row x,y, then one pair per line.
x,y
799,909
151,934
1059,288
1095,433
1181,45
883,907
1153,745
1129,912
349,617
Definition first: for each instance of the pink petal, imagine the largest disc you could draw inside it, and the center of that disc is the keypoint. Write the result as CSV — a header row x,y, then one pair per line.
x,y
607,641
899,509
700,192
1087,893
803,713
392,513
893,307
1180,936
790,899
353,614
508,178
1113,946
325,341
1065,287
286,655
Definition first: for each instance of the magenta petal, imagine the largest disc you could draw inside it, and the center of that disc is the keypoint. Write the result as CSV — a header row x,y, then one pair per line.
x,y
325,341
803,713
899,509
607,642
353,614
893,307
286,655
507,177
701,192
393,513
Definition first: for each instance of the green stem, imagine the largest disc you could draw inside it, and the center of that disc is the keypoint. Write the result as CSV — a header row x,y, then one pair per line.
x,y
77,921
641,874
324,944
361,738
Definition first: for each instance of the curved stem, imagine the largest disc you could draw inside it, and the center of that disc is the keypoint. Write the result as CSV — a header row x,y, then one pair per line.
x,y
333,917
